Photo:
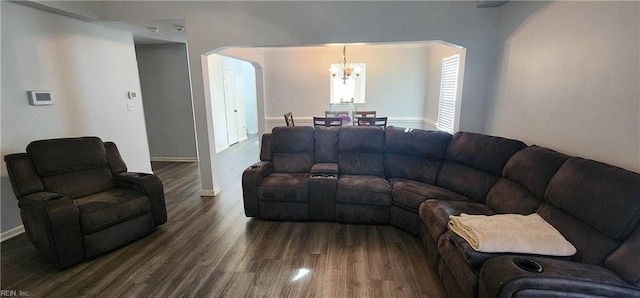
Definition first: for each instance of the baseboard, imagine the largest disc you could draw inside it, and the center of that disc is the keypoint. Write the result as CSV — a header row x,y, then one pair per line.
x,y
210,193
175,159
11,233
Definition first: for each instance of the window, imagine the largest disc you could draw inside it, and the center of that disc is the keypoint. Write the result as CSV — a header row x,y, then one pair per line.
x,y
448,94
351,91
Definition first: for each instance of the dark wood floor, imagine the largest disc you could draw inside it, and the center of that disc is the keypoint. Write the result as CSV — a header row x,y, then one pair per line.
x,y
209,248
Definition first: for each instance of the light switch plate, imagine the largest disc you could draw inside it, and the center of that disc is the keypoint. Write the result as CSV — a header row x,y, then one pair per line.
x,y
130,107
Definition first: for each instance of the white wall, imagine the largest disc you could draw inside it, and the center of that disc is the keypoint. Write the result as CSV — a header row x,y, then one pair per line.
x,y
250,97
243,75
211,25
568,78
297,80
168,109
88,68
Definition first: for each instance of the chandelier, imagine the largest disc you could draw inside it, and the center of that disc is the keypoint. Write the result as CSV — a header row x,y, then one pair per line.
x,y
344,69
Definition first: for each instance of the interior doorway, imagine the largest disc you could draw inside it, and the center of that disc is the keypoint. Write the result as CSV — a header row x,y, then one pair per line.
x,y
232,88
231,106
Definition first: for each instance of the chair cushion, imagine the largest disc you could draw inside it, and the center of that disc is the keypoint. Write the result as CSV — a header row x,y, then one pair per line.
x,y
105,209
363,190
284,187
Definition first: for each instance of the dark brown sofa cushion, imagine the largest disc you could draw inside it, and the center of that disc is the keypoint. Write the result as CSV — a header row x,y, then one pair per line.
x,y
326,144
526,176
592,246
360,150
478,158
414,153
292,149
410,194
533,167
363,190
284,187
604,196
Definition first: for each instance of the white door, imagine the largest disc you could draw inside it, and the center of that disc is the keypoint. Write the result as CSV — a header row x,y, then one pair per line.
x,y
231,108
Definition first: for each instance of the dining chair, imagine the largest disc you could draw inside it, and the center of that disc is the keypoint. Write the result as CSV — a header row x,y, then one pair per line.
x,y
377,121
336,114
327,121
288,118
364,114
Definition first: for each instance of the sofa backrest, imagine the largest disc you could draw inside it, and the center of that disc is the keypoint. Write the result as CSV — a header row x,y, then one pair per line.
x,y
360,150
596,207
292,149
74,167
326,144
525,179
414,153
475,157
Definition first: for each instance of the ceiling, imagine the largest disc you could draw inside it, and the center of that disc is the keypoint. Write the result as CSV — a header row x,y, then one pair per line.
x,y
147,31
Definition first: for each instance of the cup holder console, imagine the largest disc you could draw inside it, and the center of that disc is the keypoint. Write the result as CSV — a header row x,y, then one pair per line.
x,y
324,176
528,265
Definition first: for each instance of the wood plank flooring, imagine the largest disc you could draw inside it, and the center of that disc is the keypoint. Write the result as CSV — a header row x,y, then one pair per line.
x,y
208,248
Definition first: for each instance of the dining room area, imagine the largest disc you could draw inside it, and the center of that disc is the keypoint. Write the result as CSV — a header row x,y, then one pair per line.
x,y
381,84
340,118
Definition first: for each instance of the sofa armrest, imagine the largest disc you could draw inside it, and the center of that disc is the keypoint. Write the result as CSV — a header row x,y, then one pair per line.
x,y
52,223
509,276
151,186
251,179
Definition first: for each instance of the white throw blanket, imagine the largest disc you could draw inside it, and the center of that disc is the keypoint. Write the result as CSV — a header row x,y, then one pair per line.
x,y
511,233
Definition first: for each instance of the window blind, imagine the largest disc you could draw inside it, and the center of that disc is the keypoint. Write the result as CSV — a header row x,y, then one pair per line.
x,y
448,93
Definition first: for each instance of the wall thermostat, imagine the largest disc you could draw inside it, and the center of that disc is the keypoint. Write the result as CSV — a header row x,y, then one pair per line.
x,y
40,97
132,94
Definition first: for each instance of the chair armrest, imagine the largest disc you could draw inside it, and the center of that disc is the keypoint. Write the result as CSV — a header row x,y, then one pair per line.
x,y
52,223
251,179
509,276
151,186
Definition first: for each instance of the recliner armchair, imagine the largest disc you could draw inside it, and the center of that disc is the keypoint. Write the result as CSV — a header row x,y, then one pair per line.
x,y
77,199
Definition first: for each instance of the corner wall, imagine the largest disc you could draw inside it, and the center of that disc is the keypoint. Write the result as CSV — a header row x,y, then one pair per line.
x,y
88,68
168,109
568,78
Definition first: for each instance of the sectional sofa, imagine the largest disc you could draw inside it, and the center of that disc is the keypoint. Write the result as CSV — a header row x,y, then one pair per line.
x,y
415,179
